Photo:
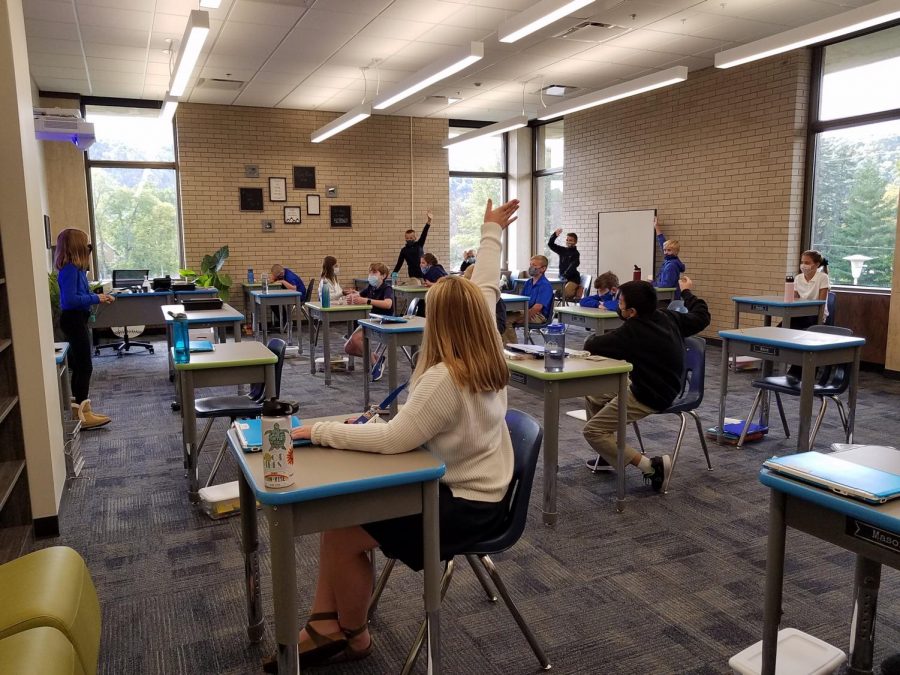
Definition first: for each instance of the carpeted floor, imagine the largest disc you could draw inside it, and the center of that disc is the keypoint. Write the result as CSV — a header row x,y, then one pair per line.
x,y
672,585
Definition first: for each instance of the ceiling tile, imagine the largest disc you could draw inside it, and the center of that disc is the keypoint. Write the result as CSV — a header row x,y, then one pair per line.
x,y
120,37
115,65
397,29
307,99
51,30
110,17
262,94
242,74
415,56
153,92
428,11
248,40
71,85
455,36
268,13
73,71
47,59
48,10
480,18
102,51
170,24
361,50
211,96
136,5
49,46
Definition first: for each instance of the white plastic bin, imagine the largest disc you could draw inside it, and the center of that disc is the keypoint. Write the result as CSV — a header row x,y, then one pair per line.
x,y
798,654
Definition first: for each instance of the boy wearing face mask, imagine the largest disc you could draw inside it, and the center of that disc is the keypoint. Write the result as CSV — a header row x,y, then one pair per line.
x,y
672,267
381,297
606,285
652,340
540,299
432,271
468,260
412,251
569,260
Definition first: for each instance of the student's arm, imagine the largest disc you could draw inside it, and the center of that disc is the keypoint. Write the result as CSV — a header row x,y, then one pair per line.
x,y
544,301
660,239
612,344
574,263
400,261
697,317
430,409
69,293
487,271
824,284
424,234
553,246
387,303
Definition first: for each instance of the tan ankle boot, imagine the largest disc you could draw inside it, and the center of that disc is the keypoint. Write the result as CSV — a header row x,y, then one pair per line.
x,y
88,419
88,409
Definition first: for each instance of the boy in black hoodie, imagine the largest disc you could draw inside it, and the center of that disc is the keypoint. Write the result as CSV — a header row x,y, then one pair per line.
x,y
413,250
652,340
569,260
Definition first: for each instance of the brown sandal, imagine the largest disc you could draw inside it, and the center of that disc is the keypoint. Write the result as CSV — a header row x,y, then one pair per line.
x,y
318,648
349,653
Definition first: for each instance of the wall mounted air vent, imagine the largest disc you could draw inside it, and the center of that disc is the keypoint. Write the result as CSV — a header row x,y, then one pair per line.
x,y
220,83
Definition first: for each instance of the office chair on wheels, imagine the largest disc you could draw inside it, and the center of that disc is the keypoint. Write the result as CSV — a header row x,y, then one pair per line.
x,y
132,280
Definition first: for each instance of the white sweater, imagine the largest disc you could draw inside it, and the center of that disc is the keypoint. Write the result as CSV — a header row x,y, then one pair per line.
x,y
466,430
335,292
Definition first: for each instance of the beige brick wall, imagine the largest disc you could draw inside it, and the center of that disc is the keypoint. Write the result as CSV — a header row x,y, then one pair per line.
x,y
721,156
388,169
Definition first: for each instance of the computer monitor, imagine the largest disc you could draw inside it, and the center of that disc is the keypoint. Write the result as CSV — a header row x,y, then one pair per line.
x,y
129,278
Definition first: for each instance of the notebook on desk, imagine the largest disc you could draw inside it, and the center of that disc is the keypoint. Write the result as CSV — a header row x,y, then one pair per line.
x,y
538,350
201,346
249,433
844,474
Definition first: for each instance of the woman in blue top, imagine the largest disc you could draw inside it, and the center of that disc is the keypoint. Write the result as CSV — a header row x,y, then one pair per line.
x,y
73,257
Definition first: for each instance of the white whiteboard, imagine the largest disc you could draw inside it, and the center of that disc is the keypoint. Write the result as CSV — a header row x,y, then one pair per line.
x,y
626,239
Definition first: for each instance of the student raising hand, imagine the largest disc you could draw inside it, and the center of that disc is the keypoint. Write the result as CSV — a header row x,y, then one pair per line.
x,y
503,214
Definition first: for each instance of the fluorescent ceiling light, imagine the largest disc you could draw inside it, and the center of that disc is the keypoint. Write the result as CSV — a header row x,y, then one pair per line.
x,y
536,17
490,130
452,63
167,112
345,121
189,51
616,92
834,26
210,4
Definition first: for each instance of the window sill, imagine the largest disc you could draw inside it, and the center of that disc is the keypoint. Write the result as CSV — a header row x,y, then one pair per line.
x,y
861,290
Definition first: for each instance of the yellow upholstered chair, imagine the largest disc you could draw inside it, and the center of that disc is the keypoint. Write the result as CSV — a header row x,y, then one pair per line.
x,y
41,650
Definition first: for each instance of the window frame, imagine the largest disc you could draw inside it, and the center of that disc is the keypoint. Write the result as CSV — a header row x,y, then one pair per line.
x,y
537,237
815,126
125,164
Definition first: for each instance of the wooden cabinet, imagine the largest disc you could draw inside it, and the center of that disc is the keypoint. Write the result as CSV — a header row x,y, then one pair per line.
x,y
15,507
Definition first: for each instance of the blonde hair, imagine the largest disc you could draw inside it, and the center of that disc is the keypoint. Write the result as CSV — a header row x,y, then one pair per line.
x,y
541,259
277,270
673,244
72,247
380,268
462,334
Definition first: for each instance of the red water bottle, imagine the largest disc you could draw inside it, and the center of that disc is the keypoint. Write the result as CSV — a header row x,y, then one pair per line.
x,y
637,274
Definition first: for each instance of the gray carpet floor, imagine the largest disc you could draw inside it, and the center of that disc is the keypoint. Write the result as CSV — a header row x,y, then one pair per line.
x,y
672,585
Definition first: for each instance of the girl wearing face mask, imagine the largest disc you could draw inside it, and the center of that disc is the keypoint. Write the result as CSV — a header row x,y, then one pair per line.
x,y
811,284
432,270
468,260
330,270
381,297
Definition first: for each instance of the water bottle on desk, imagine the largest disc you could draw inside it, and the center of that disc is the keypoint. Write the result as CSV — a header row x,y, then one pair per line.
x,y
181,338
326,296
265,283
636,275
554,347
789,288
395,280
250,278
277,445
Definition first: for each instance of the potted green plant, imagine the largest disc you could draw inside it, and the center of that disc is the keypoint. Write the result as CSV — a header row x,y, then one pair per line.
x,y
53,285
211,274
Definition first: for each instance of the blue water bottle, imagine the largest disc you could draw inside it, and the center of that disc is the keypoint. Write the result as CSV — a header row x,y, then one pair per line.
x,y
181,338
249,275
394,279
326,296
554,347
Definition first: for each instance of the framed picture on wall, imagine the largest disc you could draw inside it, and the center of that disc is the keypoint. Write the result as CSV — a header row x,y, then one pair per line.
x,y
251,199
313,205
340,216
278,189
291,214
305,177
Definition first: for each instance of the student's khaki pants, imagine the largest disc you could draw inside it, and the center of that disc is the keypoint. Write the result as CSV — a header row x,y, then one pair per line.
x,y
514,319
603,423
572,291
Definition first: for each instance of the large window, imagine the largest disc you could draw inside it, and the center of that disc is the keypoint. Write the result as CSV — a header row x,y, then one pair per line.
x,y
134,195
477,173
856,178
548,186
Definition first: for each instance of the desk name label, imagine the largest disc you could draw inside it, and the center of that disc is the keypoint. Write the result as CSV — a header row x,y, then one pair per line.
x,y
759,308
874,535
764,349
518,377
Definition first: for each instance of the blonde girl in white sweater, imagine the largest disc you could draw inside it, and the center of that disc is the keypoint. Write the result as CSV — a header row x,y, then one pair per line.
x,y
456,408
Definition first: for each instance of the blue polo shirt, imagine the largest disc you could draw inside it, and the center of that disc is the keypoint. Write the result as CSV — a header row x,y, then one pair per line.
x,y
291,277
540,293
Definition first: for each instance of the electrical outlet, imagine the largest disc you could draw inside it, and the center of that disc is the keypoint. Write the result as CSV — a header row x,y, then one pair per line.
x,y
268,225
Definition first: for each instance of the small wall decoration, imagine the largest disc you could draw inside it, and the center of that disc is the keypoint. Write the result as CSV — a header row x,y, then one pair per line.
x,y
331,191
268,225
313,205
251,171
251,199
291,214
278,189
305,177
340,216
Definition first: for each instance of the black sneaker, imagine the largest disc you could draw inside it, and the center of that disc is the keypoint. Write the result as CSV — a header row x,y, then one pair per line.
x,y
598,464
661,467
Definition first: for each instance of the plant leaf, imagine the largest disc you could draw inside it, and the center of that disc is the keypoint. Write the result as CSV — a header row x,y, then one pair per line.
x,y
221,256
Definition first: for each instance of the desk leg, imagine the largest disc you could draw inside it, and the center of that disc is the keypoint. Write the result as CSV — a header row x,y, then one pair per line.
x,y
766,371
367,358
431,540
177,405
265,323
774,581
299,321
723,391
392,369
284,588
189,423
865,601
852,394
312,346
326,347
250,545
806,401
237,331
169,342
737,324
526,327
551,450
620,442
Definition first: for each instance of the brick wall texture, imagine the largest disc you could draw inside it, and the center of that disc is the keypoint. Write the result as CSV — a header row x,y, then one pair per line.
x,y
388,169
721,156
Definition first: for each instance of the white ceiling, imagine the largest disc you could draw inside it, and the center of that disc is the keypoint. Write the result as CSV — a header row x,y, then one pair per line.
x,y
309,53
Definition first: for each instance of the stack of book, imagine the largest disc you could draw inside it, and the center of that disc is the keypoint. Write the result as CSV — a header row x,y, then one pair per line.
x,y
249,433
732,432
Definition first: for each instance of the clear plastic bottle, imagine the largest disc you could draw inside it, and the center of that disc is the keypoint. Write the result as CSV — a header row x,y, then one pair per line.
x,y
789,288
395,279
554,347
181,338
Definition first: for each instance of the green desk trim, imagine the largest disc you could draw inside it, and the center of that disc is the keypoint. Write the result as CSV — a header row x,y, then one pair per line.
x,y
336,308
411,289
588,312
218,358
574,368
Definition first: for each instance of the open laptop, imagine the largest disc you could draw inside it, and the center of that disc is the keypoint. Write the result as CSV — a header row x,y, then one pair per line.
x,y
876,480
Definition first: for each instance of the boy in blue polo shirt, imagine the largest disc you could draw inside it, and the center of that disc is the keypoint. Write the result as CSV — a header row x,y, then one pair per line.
x,y
287,279
540,299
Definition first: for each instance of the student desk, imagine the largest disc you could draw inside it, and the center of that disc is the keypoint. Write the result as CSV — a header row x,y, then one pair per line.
x,y
771,305
199,292
517,303
665,294
326,315
333,489
557,284
871,532
132,309
403,295
215,318
249,307
228,363
277,297
796,347
598,320
392,336
580,377
64,382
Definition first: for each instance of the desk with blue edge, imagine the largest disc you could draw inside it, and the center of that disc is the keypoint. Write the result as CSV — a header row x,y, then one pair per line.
x,y
333,489
871,532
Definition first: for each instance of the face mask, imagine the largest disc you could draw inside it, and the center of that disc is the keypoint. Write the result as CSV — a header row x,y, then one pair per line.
x,y
670,256
532,271
374,280
806,268
621,316
410,243
470,259
425,268
337,270
572,245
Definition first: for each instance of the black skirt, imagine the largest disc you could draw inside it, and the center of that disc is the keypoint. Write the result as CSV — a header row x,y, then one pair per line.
x,y
462,523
